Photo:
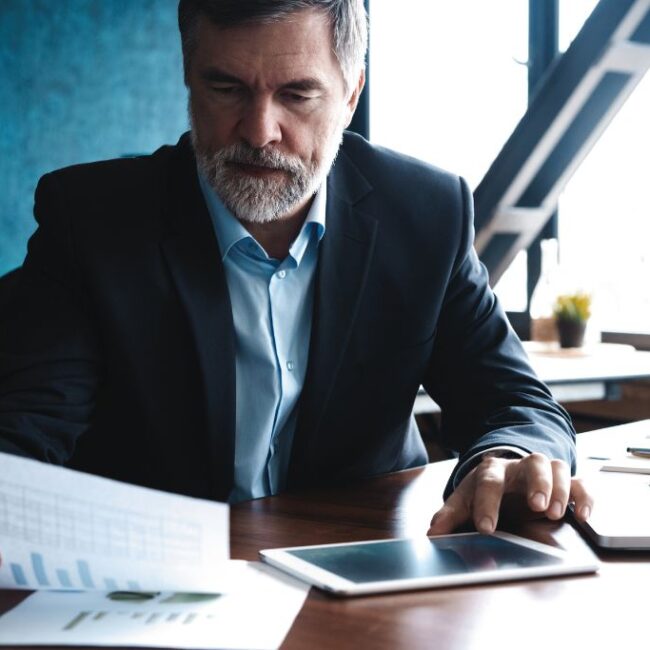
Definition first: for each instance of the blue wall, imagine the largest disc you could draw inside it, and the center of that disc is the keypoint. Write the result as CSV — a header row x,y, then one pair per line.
x,y
80,80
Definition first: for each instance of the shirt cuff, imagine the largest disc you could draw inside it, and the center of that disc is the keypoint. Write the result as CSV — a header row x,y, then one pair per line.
x,y
500,451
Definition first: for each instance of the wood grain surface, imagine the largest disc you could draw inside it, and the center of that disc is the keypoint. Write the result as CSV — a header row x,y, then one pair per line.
x,y
598,611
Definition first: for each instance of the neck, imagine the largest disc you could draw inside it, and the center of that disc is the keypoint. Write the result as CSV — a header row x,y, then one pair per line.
x,y
276,237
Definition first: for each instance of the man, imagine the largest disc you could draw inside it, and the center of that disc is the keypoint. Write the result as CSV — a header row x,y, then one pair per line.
x,y
232,317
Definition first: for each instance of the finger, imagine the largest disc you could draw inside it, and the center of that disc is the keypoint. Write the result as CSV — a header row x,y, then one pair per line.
x,y
560,490
454,512
538,476
489,485
583,501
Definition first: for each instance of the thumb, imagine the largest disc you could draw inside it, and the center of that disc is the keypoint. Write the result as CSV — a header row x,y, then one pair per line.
x,y
453,514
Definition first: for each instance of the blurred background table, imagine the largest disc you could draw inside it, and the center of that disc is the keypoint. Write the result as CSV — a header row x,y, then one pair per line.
x,y
593,372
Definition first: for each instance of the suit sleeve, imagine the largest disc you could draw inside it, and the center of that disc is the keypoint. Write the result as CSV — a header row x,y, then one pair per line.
x,y
49,358
479,372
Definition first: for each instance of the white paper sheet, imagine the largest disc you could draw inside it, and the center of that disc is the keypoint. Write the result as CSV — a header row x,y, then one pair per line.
x,y
62,529
256,611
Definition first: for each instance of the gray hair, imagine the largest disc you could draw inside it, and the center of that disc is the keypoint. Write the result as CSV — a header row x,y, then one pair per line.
x,y
347,17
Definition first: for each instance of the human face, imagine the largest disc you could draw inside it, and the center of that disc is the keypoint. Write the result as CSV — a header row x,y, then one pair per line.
x,y
268,105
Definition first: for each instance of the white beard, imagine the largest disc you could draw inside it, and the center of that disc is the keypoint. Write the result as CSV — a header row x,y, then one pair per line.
x,y
261,200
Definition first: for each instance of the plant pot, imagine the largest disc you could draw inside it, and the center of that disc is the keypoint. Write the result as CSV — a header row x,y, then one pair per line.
x,y
571,332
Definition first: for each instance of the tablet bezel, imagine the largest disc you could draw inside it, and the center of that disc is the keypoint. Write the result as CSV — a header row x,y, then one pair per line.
x,y
281,558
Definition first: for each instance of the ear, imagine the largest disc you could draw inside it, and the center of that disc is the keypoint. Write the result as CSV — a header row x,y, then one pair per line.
x,y
354,97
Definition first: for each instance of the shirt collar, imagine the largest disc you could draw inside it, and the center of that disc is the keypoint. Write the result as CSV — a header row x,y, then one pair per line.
x,y
230,231
315,221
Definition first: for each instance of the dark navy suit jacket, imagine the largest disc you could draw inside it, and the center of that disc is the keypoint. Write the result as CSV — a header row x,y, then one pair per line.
x,y
117,352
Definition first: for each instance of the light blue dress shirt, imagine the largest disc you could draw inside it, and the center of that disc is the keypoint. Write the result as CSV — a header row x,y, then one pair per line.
x,y
272,304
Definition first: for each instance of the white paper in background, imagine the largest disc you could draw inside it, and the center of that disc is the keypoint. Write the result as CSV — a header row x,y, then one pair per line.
x,y
256,612
63,529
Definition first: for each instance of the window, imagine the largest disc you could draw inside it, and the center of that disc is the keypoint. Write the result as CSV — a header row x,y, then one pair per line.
x,y
447,83
605,220
447,86
573,14
604,216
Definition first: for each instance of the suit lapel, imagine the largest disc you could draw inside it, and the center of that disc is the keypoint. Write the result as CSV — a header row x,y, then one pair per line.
x,y
344,261
192,254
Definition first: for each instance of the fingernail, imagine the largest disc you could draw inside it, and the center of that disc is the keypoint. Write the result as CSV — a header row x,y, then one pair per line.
x,y
539,501
486,525
585,513
555,511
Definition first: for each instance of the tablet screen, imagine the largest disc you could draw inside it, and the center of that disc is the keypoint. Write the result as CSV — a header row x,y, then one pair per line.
x,y
424,557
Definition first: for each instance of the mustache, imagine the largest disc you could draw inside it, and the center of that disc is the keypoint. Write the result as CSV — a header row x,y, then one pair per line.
x,y
244,154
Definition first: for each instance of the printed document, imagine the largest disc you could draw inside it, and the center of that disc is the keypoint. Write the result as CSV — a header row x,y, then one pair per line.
x,y
256,611
62,529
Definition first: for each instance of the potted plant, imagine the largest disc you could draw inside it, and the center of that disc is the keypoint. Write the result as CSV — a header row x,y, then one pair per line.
x,y
571,313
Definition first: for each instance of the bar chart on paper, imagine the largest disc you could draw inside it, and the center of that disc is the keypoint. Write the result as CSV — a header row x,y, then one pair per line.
x,y
167,609
80,577
85,532
91,619
164,619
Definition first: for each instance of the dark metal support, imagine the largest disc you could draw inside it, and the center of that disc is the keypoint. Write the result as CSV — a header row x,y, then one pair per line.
x,y
543,39
543,47
361,119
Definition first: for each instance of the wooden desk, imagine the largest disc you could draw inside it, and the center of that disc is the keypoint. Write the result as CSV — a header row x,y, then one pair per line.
x,y
599,611
591,373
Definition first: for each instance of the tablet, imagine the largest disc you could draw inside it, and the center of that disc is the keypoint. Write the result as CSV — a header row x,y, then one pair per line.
x,y
424,562
621,515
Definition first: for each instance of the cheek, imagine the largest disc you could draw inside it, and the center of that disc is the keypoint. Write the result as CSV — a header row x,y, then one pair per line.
x,y
319,134
330,135
214,128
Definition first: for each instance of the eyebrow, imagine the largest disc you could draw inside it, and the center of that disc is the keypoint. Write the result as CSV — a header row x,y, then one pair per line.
x,y
306,84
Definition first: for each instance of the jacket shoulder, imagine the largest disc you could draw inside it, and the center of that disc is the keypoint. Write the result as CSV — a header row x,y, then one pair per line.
x,y
111,178
118,197
377,163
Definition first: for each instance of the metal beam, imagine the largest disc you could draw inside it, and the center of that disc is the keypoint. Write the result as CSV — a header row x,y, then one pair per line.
x,y
570,108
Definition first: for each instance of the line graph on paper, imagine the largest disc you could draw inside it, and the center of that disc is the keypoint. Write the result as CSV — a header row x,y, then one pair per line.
x,y
45,518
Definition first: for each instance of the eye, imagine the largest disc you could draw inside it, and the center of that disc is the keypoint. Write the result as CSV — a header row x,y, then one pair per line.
x,y
298,98
227,90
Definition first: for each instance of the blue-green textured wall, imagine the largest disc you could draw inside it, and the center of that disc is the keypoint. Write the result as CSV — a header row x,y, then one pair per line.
x,y
80,80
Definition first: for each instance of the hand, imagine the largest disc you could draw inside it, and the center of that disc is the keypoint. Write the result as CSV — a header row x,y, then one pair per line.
x,y
533,485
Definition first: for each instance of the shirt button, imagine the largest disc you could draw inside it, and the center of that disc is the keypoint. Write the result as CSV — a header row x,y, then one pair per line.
x,y
290,365
282,274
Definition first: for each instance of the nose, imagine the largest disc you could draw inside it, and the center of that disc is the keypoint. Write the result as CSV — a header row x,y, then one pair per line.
x,y
259,125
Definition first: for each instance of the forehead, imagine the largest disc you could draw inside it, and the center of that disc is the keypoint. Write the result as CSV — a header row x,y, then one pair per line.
x,y
300,45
